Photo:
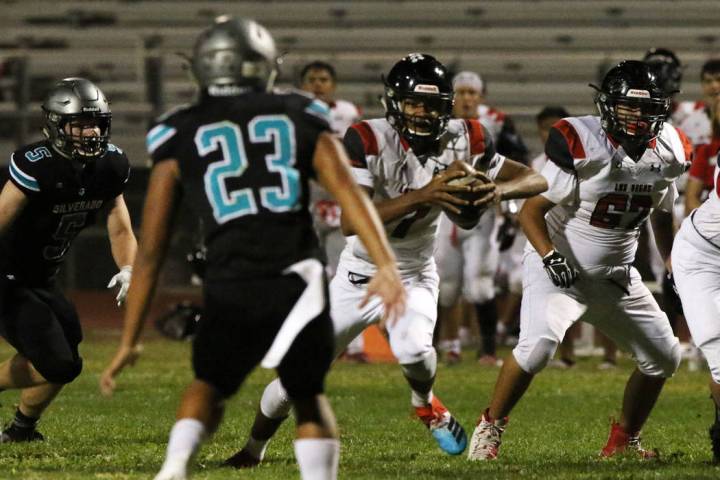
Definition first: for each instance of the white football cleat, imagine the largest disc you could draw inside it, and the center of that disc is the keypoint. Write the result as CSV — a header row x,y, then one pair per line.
x,y
485,440
172,474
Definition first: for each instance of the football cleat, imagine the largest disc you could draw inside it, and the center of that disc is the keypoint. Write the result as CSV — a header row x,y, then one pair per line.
x,y
242,459
715,441
486,439
621,442
13,433
447,432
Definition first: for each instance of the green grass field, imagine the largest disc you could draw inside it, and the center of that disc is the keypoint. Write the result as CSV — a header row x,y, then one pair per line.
x,y
555,433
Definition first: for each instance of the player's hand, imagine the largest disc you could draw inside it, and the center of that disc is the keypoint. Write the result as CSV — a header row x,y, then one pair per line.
x,y
121,279
562,273
438,192
126,355
387,285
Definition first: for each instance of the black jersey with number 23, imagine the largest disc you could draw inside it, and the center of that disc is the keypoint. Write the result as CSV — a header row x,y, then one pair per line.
x,y
244,163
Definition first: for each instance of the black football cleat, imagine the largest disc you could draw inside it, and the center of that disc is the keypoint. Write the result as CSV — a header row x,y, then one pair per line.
x,y
715,441
13,433
242,459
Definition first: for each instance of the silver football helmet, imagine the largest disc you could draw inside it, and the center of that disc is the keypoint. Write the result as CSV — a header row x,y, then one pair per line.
x,y
72,107
235,52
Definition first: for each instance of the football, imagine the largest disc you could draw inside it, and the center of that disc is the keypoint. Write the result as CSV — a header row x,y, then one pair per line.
x,y
469,215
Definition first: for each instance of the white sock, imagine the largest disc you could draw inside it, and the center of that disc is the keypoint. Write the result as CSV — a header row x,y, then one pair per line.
x,y
318,458
454,345
275,402
185,438
256,448
418,399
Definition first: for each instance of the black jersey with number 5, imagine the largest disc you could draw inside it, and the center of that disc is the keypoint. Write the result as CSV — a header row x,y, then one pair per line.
x,y
245,161
64,196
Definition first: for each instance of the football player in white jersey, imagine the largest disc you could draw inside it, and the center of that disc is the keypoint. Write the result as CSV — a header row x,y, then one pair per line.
x,y
696,269
401,161
695,118
607,174
320,79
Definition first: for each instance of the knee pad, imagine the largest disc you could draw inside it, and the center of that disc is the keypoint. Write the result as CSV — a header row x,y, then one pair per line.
x,y
533,358
275,402
60,372
449,293
412,347
423,370
664,365
480,289
712,355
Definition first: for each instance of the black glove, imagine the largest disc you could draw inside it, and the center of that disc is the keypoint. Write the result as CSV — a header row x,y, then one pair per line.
x,y
560,271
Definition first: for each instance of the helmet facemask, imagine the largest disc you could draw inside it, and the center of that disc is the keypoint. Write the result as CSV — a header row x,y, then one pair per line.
x,y
82,137
632,119
421,118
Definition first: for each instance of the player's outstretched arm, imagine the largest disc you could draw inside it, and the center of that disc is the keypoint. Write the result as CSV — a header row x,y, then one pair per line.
x,y
160,204
123,246
333,167
515,180
532,219
12,202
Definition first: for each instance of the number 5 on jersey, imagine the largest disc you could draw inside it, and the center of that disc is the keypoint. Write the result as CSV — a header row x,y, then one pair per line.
x,y
228,205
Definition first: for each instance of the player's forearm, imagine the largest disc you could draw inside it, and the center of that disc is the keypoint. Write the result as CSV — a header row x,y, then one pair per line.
x,y
527,184
532,221
124,247
662,225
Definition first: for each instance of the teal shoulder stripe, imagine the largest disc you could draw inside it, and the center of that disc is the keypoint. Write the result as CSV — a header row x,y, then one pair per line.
x,y
22,178
319,109
159,135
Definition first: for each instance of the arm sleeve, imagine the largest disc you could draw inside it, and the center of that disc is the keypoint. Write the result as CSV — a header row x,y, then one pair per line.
x,y
161,141
360,141
486,158
562,184
23,175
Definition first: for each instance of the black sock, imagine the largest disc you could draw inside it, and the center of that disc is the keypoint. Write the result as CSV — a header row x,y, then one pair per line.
x,y
23,421
487,321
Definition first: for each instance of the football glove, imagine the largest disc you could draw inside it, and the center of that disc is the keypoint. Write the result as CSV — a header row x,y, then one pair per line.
x,y
121,279
562,273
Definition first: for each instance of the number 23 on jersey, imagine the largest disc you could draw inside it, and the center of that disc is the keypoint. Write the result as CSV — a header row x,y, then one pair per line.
x,y
281,197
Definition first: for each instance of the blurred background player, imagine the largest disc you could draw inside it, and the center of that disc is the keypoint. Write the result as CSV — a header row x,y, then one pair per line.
x,y
320,79
57,187
695,117
467,259
607,175
402,161
696,270
264,285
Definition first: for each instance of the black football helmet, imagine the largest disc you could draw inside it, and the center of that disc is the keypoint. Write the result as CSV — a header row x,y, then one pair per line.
x,y
78,102
419,78
666,67
234,54
632,106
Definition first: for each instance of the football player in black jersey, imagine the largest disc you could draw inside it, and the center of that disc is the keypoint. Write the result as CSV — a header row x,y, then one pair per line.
x,y
56,188
242,156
